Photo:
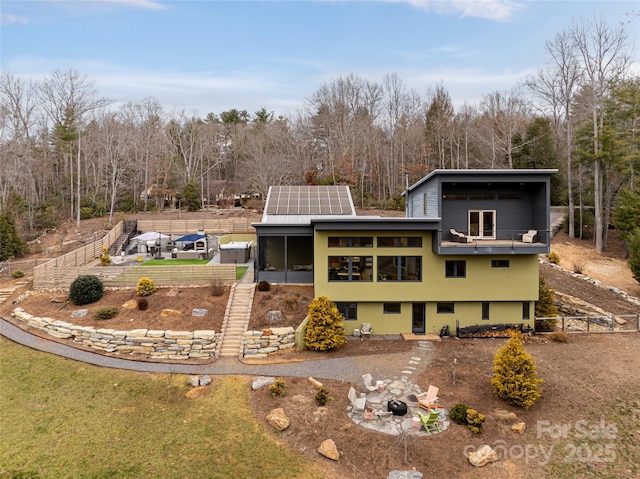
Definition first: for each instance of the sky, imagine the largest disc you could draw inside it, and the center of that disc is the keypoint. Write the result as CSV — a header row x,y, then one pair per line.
x,y
211,56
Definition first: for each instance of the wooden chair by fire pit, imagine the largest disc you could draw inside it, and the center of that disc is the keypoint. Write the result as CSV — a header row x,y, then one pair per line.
x,y
428,399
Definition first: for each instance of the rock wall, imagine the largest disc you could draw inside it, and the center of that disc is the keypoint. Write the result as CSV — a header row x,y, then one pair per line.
x,y
260,344
157,344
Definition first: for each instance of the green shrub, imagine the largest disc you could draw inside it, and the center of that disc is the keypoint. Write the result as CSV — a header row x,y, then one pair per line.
x,y
86,289
545,308
264,286
325,331
322,396
17,274
145,287
106,313
143,303
475,420
514,374
278,388
633,244
458,413
554,258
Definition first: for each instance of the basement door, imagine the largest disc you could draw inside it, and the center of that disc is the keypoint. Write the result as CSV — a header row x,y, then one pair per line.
x,y
418,318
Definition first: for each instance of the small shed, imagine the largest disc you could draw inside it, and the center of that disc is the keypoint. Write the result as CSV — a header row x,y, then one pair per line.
x,y
235,252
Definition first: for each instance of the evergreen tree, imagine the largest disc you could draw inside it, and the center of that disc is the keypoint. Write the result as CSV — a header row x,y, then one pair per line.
x,y
634,254
191,195
514,374
11,245
545,307
324,327
626,215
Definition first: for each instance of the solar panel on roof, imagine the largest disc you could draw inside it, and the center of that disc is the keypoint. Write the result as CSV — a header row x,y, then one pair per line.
x,y
305,200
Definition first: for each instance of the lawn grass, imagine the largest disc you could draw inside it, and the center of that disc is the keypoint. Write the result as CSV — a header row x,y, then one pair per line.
x,y
176,262
240,270
65,419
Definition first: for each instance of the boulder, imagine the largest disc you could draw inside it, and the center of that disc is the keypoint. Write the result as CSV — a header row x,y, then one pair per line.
x,y
58,299
170,312
274,316
172,292
482,456
204,380
278,419
405,475
519,427
328,449
79,313
259,383
194,380
199,312
504,415
195,392
131,304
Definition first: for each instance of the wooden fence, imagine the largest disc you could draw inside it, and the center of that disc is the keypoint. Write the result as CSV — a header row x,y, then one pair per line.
x,y
7,268
58,270
208,225
128,276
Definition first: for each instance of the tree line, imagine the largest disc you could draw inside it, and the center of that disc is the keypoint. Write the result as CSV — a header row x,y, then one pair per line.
x,y
67,153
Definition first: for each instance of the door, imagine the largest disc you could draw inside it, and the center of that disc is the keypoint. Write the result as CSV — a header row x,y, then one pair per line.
x,y
482,224
418,318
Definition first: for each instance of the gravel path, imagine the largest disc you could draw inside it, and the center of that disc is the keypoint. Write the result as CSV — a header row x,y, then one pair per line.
x,y
348,369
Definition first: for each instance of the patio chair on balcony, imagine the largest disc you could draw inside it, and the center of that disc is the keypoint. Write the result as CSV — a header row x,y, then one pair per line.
x,y
459,237
529,236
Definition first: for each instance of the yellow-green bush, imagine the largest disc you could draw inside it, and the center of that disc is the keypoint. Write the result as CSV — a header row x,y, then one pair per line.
x,y
475,420
554,258
324,327
105,259
145,287
514,374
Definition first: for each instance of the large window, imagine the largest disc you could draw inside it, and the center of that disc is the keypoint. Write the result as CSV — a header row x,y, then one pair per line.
x,y
455,269
399,242
399,268
526,310
350,241
348,310
350,268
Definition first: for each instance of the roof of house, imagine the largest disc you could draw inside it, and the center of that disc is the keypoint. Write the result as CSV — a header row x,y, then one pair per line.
x,y
476,174
301,204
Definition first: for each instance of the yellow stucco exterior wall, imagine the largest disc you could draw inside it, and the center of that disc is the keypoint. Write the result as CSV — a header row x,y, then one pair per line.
x,y
505,288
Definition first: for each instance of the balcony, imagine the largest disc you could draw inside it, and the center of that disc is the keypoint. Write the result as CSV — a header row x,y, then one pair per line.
x,y
506,242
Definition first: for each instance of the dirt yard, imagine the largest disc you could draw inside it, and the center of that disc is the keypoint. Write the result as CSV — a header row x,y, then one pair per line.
x,y
585,424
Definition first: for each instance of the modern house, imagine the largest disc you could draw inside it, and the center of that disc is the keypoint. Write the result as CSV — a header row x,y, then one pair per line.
x,y
466,253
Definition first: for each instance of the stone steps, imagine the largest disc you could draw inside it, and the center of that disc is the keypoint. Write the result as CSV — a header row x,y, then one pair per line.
x,y
236,320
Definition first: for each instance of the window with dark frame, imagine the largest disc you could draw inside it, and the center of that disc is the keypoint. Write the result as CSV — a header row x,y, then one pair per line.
x,y
399,242
399,268
350,268
348,310
391,308
499,263
485,311
350,241
526,310
455,269
445,308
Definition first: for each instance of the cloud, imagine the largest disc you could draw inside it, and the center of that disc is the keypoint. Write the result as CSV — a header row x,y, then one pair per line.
x,y
9,19
497,10
105,6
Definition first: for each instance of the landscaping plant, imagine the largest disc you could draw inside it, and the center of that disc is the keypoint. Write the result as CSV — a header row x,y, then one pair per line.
x,y
143,303
458,413
322,396
264,286
106,313
475,420
545,307
105,259
86,289
514,374
278,388
325,330
145,287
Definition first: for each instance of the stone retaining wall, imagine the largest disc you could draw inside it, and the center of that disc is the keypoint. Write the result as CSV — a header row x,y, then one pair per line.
x,y
148,342
260,344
